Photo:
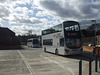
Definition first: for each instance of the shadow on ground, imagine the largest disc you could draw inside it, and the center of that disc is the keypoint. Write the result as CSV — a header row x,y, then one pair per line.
x,y
87,56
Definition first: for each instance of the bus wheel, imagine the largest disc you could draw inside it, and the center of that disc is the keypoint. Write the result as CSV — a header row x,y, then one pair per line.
x,y
56,51
32,46
45,49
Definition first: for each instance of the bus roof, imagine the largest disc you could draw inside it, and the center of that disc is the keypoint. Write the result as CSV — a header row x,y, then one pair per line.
x,y
32,38
60,23
69,21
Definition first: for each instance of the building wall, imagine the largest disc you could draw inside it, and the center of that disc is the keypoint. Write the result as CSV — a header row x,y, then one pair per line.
x,y
8,40
5,32
98,40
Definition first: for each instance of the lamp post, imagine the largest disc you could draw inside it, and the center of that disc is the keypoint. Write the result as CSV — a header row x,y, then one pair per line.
x,y
94,33
96,62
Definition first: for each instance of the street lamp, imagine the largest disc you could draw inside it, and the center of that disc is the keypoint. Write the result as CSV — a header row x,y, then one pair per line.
x,y
94,32
95,46
96,58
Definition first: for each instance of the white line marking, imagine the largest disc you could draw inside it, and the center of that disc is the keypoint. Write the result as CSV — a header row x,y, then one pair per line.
x,y
26,63
69,69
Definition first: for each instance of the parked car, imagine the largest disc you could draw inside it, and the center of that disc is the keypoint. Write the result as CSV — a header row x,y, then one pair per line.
x,y
90,45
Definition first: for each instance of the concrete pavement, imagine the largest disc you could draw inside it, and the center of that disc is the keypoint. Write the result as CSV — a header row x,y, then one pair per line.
x,y
33,61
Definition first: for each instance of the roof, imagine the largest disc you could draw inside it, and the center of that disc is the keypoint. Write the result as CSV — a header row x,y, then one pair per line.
x,y
5,32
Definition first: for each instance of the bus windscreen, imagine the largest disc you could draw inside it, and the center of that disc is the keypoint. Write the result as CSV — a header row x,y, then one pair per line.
x,y
72,28
72,35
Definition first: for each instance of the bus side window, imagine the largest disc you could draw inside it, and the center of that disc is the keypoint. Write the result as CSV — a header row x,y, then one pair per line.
x,y
61,41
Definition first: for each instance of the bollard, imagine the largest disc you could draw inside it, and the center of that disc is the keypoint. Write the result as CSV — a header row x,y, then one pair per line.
x,y
90,67
80,67
99,63
98,52
94,52
99,57
96,62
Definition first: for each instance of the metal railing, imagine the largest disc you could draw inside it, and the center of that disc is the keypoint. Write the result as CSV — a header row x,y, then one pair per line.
x,y
97,65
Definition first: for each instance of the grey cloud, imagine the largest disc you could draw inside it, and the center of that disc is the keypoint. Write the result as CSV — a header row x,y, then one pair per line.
x,y
82,9
26,20
4,12
58,9
23,20
4,1
5,15
90,10
86,9
1,25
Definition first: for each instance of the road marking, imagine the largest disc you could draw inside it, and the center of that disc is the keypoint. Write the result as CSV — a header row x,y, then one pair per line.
x,y
69,69
9,59
26,63
84,69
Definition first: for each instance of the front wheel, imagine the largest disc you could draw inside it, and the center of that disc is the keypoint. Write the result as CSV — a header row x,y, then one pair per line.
x,y
56,52
45,49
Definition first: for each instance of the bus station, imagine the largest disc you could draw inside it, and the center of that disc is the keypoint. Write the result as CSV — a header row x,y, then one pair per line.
x,y
49,37
33,61
38,61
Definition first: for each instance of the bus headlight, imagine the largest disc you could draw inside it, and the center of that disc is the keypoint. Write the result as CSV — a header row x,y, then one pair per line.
x,y
66,50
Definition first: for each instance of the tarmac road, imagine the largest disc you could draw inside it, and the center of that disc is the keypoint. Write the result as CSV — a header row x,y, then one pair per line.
x,y
33,61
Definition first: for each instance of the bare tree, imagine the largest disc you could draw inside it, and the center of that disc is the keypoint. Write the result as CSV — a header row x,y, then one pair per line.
x,y
29,32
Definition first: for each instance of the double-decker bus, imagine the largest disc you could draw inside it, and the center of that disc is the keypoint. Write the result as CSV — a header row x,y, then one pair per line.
x,y
63,39
33,42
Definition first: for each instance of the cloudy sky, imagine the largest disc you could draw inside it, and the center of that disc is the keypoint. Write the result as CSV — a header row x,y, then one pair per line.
x,y
36,15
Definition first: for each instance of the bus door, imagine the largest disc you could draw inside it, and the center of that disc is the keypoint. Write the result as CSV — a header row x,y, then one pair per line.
x,y
56,42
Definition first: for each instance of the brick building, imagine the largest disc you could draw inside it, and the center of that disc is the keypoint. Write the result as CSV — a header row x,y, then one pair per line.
x,y
8,39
